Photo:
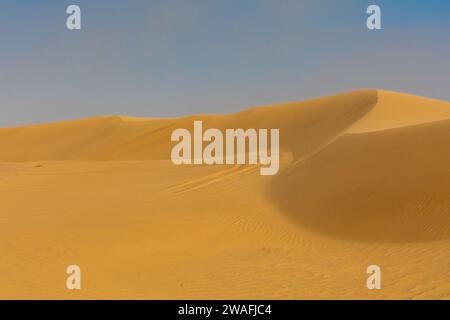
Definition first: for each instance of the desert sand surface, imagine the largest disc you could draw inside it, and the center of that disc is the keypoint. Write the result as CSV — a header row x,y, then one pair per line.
x,y
364,179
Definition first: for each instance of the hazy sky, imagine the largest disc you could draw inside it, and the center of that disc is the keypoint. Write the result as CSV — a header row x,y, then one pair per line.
x,y
161,58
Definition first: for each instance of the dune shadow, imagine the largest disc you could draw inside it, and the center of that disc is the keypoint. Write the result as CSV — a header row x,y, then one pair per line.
x,y
390,186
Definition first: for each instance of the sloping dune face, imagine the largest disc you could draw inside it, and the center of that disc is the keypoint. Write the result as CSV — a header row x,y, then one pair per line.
x,y
364,180
385,179
392,185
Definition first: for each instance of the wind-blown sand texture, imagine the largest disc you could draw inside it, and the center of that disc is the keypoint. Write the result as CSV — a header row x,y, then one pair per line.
x,y
364,179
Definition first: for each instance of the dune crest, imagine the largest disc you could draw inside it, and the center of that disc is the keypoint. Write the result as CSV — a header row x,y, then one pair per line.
x,y
306,126
395,110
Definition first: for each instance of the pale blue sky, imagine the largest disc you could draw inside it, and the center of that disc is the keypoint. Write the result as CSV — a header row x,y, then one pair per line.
x,y
163,58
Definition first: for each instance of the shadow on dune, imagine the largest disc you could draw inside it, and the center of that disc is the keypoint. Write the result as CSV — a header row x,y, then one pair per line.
x,y
385,186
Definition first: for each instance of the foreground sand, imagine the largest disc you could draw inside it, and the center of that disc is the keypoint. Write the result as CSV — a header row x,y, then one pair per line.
x,y
365,180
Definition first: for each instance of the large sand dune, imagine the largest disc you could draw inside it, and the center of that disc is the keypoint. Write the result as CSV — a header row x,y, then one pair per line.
x,y
364,179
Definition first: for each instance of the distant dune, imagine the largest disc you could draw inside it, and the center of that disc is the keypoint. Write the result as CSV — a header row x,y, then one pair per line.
x,y
364,179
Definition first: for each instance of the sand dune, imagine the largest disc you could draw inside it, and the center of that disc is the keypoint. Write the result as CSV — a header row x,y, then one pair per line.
x,y
305,125
364,180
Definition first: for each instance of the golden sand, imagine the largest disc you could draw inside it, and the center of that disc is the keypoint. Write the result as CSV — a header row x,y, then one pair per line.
x,y
364,179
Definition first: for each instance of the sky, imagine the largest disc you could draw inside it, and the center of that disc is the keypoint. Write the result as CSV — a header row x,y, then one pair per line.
x,y
165,58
